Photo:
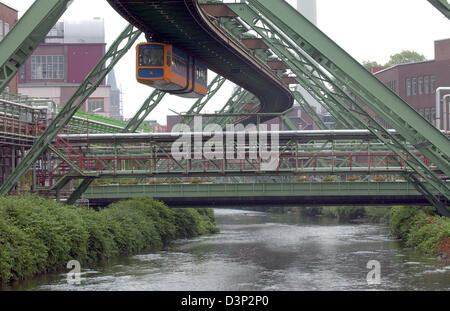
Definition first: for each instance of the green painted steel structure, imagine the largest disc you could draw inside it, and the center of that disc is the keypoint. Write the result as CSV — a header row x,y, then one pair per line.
x,y
255,191
185,25
443,6
119,48
213,87
26,35
353,96
147,107
353,89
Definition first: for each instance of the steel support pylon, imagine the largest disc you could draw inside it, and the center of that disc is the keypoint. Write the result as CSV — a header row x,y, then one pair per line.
x,y
147,107
442,5
353,91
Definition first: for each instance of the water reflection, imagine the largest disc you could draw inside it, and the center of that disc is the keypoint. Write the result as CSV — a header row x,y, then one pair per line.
x,y
259,251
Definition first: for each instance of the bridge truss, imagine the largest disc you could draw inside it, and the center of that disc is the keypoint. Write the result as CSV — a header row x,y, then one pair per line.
x,y
293,49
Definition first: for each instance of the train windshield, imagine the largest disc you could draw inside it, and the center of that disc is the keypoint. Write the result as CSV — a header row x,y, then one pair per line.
x,y
151,55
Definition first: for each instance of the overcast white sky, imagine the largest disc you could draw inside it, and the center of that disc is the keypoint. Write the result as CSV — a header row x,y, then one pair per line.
x,y
366,29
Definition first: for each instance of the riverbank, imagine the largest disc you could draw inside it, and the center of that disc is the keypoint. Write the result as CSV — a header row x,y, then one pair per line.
x,y
39,235
422,230
264,252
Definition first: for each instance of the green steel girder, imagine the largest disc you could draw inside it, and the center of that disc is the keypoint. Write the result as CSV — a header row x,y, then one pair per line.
x,y
66,160
26,35
306,74
379,98
198,106
208,191
84,185
332,109
147,107
442,5
119,48
433,198
319,93
343,86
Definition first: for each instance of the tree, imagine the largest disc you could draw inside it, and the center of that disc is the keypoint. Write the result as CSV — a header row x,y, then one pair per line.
x,y
405,57
371,64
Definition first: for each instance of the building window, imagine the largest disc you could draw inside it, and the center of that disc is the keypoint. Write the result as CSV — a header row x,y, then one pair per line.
x,y
420,85
426,83
427,114
432,82
408,87
433,114
414,86
47,67
421,112
96,106
1,30
6,28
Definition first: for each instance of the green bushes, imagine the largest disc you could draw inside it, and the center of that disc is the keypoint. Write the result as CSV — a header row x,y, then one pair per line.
x,y
344,213
39,235
421,229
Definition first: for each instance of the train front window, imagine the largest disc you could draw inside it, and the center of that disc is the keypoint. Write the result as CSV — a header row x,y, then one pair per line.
x,y
151,55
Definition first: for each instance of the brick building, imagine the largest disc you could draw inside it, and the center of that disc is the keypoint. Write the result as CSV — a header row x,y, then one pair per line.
x,y
416,83
62,61
8,18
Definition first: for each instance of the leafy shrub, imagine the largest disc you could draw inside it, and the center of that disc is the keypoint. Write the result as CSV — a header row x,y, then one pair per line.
x,y
310,211
39,235
421,229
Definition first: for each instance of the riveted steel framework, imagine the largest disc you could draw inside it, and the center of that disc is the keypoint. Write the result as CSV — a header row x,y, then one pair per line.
x,y
119,48
293,49
443,6
358,97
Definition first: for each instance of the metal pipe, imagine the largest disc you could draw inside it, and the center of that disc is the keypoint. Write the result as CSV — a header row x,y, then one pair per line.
x,y
438,104
446,111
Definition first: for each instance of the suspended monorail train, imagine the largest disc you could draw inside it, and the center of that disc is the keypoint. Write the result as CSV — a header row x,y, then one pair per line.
x,y
169,69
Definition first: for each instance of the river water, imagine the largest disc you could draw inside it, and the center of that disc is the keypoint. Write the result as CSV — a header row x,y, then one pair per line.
x,y
259,251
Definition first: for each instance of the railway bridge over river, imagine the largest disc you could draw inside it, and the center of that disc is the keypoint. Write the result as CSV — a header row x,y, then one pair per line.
x,y
70,155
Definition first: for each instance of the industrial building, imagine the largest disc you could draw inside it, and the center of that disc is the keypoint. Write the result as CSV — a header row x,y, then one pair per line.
x,y
416,83
8,18
61,62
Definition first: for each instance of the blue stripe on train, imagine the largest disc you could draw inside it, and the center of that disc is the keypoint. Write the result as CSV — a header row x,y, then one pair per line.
x,y
151,73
